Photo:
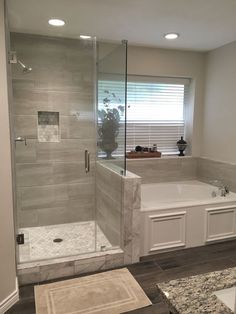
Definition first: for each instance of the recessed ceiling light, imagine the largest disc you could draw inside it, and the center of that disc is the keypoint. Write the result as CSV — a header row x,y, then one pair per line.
x,y
56,22
85,37
171,36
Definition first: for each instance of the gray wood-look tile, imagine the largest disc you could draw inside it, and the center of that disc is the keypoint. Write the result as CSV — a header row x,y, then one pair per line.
x,y
61,81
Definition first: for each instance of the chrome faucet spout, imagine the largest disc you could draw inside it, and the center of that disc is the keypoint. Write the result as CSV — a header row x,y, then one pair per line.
x,y
224,190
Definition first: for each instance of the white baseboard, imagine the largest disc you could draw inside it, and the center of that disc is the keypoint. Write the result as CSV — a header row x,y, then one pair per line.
x,y
10,300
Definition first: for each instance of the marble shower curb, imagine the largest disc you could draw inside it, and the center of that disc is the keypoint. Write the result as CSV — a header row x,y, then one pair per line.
x,y
35,272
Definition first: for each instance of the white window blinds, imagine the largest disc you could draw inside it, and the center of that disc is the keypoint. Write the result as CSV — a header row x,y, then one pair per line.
x,y
156,112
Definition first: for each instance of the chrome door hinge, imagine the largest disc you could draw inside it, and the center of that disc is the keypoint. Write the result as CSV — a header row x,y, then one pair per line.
x,y
12,57
20,238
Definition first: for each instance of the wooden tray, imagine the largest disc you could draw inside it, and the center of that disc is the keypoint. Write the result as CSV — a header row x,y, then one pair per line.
x,y
143,155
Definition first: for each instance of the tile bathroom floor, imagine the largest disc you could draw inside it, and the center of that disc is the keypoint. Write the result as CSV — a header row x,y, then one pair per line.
x,y
158,268
78,238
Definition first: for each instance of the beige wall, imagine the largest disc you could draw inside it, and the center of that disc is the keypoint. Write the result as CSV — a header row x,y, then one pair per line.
x,y
174,63
219,132
7,249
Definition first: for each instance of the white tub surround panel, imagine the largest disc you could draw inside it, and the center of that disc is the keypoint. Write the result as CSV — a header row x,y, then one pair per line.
x,y
160,238
220,223
185,214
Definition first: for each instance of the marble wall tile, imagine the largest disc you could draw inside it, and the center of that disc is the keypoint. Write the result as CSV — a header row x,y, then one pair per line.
x,y
136,235
60,270
114,260
64,267
164,169
131,218
28,275
89,265
209,170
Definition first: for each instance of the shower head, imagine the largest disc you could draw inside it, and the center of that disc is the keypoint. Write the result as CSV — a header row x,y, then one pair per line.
x,y
25,68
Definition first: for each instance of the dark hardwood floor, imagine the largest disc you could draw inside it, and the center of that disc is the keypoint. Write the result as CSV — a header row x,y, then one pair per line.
x,y
157,268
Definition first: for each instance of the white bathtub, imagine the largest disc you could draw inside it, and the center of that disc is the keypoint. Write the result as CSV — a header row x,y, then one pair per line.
x,y
184,214
181,193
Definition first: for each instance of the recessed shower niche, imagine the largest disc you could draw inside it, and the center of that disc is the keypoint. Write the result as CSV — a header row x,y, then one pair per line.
x,y
48,126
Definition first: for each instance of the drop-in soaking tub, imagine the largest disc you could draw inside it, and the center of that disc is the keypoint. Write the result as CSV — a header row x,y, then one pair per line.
x,y
185,214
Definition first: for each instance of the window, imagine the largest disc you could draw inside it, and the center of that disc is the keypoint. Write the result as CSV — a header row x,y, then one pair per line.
x,y
156,112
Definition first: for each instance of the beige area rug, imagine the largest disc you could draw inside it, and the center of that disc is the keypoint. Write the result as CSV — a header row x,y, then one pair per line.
x,y
110,292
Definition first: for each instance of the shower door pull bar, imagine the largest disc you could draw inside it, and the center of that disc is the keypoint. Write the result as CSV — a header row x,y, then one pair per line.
x,y
87,160
21,139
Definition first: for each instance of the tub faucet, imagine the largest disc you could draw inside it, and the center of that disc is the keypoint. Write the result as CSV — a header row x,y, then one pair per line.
x,y
224,190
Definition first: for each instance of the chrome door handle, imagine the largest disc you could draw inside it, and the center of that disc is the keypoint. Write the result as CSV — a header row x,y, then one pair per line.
x,y
21,139
87,160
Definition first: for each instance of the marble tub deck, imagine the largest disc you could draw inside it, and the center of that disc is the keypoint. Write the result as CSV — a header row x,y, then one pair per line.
x,y
78,238
195,294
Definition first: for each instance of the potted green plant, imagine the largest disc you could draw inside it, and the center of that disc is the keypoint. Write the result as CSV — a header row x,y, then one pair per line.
x,y
109,123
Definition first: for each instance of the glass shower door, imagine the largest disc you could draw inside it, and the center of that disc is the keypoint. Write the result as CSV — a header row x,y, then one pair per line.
x,y
55,145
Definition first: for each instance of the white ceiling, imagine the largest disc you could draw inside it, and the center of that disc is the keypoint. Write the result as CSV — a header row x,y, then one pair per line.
x,y
202,24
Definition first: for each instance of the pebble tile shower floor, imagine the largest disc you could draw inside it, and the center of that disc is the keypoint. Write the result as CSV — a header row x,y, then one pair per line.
x,y
77,238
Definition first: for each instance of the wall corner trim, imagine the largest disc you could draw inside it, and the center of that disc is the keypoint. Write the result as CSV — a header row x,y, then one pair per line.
x,y
9,301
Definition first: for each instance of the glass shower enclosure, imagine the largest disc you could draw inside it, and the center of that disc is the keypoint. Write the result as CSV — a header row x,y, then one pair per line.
x,y
68,115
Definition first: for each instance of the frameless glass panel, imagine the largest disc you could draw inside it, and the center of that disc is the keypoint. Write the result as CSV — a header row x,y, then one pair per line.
x,y
111,104
54,127
111,128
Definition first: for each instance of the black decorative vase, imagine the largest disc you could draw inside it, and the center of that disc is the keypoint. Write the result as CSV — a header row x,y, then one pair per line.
x,y
182,144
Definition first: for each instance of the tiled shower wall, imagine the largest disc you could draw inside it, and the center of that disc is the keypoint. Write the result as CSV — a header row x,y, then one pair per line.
x,y
109,202
52,186
118,209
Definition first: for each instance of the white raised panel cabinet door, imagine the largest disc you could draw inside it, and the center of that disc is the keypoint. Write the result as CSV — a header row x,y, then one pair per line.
x,y
220,223
166,231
